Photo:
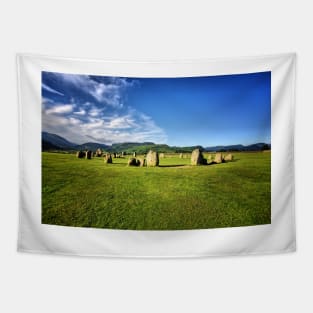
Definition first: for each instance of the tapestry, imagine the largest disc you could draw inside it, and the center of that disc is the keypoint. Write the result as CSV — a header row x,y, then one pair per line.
x,y
186,158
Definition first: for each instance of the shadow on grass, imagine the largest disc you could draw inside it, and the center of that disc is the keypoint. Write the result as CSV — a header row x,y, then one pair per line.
x,y
188,165
174,165
214,163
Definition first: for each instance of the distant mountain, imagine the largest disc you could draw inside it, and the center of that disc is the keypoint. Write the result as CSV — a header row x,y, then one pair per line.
x,y
254,147
46,146
130,145
55,142
92,146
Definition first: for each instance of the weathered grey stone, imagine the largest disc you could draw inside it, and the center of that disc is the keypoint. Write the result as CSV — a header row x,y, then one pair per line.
x,y
218,158
162,155
181,155
229,157
197,157
98,153
152,158
88,154
142,162
80,154
134,154
132,162
108,159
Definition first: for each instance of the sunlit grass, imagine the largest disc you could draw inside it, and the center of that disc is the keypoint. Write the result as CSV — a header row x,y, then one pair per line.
x,y
89,193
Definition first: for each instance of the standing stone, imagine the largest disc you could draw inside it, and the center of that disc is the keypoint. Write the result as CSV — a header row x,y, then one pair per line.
x,y
229,157
197,157
134,154
80,154
181,156
162,155
98,152
132,162
142,162
108,159
88,154
123,154
152,158
218,158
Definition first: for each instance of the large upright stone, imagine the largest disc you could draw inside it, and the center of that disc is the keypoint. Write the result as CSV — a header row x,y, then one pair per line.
x,y
142,162
98,152
152,158
229,157
132,162
218,158
108,159
88,154
80,154
197,157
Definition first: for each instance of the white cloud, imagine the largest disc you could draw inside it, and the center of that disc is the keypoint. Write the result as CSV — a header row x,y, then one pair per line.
x,y
46,87
74,121
105,122
60,109
93,124
46,100
80,112
121,122
94,112
131,127
106,93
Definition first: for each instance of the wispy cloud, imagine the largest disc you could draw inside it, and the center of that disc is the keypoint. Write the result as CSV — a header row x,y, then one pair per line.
x,y
60,109
80,112
108,93
132,127
46,87
95,111
122,122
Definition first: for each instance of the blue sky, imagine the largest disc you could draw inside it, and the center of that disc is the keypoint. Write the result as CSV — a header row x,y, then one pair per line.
x,y
207,111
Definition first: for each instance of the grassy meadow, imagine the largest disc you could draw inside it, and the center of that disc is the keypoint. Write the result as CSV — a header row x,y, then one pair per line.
x,y
173,196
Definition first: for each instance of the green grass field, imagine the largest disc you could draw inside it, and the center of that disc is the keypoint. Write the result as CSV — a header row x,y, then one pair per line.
x,y
89,193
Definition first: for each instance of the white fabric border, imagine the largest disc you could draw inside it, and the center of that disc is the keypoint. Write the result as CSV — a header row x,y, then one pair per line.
x,y
277,237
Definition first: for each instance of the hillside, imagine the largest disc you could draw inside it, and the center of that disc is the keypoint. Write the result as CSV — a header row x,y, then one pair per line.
x,y
53,142
56,141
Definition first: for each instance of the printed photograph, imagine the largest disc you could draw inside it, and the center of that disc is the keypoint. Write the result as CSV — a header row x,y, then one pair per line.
x,y
136,153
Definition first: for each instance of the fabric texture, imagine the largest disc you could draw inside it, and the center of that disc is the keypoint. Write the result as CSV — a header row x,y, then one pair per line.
x,y
76,116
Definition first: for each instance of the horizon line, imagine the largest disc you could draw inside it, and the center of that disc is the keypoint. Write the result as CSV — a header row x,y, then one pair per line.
x,y
178,146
